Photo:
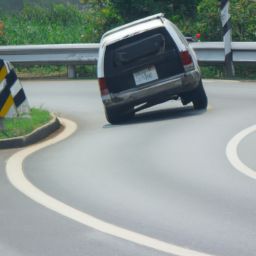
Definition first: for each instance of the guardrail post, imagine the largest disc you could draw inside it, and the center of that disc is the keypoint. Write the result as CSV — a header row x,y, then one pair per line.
x,y
71,71
227,37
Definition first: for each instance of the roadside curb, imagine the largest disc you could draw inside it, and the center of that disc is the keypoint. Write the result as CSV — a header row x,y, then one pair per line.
x,y
35,136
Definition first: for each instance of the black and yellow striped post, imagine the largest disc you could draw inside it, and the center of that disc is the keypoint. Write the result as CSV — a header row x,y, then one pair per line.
x,y
227,37
6,100
13,100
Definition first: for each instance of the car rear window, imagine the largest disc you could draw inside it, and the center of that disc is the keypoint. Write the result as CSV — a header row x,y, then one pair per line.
x,y
136,49
154,49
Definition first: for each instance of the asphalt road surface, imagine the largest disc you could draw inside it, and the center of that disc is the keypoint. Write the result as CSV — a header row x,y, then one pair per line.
x,y
164,175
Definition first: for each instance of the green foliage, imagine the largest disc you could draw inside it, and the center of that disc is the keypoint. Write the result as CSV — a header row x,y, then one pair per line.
x,y
134,9
215,72
59,14
38,71
100,16
207,21
243,20
37,25
243,13
59,23
88,71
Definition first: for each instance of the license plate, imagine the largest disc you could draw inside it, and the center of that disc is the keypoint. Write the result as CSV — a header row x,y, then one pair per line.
x,y
146,75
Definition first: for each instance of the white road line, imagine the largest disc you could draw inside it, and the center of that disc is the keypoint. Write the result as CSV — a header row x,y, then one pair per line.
x,y
19,181
232,154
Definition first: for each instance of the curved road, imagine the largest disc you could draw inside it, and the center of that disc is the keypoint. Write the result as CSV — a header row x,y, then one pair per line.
x,y
164,175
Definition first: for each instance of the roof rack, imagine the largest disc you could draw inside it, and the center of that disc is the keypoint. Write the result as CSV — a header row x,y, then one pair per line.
x,y
136,22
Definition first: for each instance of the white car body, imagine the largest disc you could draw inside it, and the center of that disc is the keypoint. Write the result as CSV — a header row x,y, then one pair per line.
x,y
143,50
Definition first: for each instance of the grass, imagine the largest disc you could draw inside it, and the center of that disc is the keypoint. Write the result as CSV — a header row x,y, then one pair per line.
x,y
242,72
51,71
20,126
38,71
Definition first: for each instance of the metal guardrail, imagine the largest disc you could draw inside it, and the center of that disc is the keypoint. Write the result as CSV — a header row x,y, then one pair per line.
x,y
50,54
76,54
213,52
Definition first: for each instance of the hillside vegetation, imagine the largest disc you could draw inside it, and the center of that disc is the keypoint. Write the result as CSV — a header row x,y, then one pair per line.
x,y
69,23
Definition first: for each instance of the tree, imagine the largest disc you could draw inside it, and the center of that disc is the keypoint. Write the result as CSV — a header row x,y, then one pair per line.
x,y
133,9
100,17
243,13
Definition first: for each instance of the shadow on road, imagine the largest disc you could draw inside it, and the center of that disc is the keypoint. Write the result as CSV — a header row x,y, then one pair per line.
x,y
160,115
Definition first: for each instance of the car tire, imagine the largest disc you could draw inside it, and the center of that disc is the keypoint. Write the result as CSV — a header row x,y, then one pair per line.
x,y
118,116
199,98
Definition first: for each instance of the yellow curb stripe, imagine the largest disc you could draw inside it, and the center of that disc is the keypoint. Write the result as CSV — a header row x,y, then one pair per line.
x,y
9,102
3,73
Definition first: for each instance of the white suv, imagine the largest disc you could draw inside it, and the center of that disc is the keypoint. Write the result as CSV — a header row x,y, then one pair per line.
x,y
144,63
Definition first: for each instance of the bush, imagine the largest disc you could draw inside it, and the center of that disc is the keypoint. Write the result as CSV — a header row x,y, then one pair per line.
x,y
36,25
243,20
243,14
207,21
100,16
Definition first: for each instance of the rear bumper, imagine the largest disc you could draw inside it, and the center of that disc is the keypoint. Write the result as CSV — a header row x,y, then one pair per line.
x,y
171,86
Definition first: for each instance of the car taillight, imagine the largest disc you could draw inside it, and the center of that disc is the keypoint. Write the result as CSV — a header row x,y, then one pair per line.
x,y
103,86
187,60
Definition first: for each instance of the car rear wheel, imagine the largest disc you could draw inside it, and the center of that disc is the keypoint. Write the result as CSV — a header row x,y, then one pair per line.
x,y
118,115
199,98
